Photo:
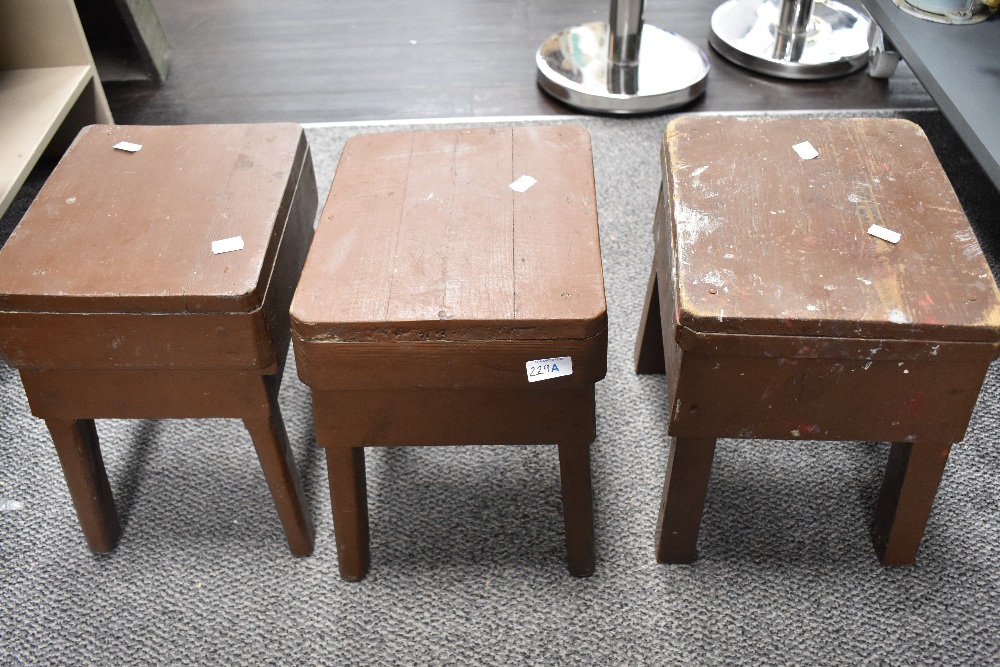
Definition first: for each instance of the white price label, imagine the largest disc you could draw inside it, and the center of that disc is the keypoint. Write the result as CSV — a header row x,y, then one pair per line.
x,y
881,232
545,369
523,183
806,150
127,146
227,245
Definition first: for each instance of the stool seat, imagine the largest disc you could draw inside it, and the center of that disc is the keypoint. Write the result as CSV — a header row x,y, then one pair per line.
x,y
113,303
431,283
776,314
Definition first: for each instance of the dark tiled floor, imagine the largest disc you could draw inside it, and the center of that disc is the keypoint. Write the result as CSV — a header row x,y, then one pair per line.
x,y
315,60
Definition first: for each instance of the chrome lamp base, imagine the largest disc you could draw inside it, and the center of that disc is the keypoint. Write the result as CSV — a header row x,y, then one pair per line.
x,y
792,39
575,66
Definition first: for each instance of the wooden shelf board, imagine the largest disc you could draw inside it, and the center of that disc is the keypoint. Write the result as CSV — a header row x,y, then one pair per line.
x,y
33,104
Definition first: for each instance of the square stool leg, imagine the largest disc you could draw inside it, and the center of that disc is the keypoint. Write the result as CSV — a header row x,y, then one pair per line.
x,y
578,508
649,345
79,452
349,502
649,356
912,476
684,487
59,395
267,431
421,417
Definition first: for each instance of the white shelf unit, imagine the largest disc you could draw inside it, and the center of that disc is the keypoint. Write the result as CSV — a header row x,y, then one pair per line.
x,y
49,87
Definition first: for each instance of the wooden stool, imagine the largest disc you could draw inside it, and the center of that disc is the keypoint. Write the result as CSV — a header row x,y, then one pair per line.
x,y
775,314
113,304
432,287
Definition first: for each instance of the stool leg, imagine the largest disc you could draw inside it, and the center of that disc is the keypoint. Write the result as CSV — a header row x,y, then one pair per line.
x,y
271,442
649,357
578,508
80,455
349,500
911,480
684,487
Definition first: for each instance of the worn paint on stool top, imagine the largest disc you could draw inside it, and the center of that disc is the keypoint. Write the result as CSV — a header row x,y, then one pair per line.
x,y
766,243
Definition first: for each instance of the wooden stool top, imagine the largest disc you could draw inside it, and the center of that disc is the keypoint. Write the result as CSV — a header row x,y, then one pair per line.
x,y
114,231
113,264
423,239
767,243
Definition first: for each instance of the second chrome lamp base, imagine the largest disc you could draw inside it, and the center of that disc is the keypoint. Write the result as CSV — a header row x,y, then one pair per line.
x,y
574,67
621,67
793,39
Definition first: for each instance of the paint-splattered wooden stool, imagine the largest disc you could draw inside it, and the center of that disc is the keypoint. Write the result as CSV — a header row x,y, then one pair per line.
x,y
435,297
777,312
113,303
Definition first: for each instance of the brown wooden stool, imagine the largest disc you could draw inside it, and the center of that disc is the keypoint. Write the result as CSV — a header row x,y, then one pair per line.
x,y
430,289
114,305
775,313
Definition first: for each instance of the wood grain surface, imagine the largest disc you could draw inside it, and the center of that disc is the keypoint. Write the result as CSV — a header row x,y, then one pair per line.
x,y
767,243
423,239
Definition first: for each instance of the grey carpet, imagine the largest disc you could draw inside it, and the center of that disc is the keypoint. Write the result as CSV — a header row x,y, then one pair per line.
x,y
467,548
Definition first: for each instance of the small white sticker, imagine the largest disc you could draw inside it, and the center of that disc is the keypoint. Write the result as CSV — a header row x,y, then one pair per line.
x,y
227,245
805,150
523,183
884,234
127,146
545,369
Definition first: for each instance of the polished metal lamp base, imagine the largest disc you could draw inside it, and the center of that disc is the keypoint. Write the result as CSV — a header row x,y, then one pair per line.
x,y
575,68
834,41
